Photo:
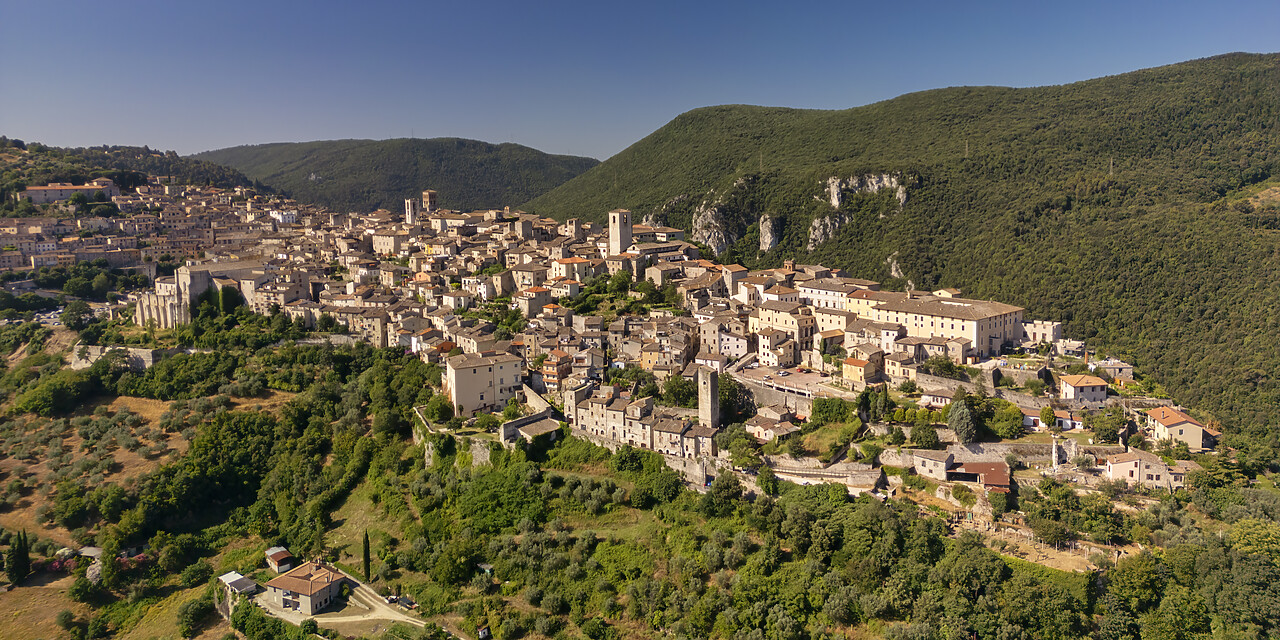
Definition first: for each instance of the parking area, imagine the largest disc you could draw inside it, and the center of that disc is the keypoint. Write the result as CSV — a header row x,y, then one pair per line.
x,y
803,382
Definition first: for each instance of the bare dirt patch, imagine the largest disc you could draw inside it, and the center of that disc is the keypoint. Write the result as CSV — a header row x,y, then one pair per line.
x,y
270,402
61,340
150,410
1269,196
31,612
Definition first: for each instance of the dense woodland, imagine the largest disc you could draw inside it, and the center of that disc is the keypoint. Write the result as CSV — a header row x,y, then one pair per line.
x,y
1125,207
363,175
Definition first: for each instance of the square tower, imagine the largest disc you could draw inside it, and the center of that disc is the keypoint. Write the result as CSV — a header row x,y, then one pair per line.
x,y
619,231
429,201
411,211
708,398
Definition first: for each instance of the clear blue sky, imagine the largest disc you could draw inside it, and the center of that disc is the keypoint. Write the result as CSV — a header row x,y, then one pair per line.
x,y
587,78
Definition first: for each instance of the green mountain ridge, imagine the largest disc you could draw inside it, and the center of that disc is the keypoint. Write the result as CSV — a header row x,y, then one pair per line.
x,y
1117,205
362,175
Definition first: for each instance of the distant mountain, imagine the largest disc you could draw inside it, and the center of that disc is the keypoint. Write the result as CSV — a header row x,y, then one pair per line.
x,y
1131,207
362,175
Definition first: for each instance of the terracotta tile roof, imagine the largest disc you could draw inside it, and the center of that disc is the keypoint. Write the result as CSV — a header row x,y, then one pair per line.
x,y
1084,381
308,579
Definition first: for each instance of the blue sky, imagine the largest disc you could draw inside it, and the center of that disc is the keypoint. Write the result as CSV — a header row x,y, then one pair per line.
x,y
586,78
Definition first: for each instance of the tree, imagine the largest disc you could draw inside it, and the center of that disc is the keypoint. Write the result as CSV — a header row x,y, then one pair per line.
x,y
1182,615
620,283
17,564
924,436
110,566
960,419
679,391
1257,536
439,409
100,284
196,574
735,403
77,315
767,481
1048,420
78,287
1107,425
366,555
512,410
1007,421
487,423
191,616
896,437
719,500
1137,582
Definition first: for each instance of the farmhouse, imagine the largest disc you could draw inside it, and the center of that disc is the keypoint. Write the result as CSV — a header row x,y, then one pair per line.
x,y
307,589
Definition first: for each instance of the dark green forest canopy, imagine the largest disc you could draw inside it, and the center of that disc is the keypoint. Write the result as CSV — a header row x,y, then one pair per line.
x,y
1115,205
362,175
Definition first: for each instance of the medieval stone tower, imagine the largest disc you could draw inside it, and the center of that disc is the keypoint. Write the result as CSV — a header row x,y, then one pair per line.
x,y
411,211
708,398
619,231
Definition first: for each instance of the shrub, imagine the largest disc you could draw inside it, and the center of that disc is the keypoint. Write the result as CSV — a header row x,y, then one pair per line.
x,y
197,573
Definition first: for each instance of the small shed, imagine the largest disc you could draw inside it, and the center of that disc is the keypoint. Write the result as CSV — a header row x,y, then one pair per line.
x,y
233,582
279,559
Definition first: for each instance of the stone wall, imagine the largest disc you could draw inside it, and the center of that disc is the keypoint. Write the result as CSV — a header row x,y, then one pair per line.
x,y
537,402
762,396
934,383
137,358
696,471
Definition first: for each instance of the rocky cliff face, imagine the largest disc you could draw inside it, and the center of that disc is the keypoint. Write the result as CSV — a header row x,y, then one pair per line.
x,y
709,227
838,189
769,232
867,183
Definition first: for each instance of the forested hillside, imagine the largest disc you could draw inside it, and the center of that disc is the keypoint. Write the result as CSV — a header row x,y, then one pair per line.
x,y
362,175
23,165
1123,206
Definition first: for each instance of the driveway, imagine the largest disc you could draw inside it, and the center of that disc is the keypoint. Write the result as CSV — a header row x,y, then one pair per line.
x,y
363,605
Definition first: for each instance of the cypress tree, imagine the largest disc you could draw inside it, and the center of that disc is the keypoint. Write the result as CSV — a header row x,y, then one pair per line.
x,y
18,563
366,555
961,421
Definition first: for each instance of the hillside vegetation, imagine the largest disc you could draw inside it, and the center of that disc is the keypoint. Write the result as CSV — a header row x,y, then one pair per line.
x,y
362,175
23,165
1122,206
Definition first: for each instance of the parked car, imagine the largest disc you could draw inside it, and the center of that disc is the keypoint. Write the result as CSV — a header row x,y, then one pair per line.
x,y
784,373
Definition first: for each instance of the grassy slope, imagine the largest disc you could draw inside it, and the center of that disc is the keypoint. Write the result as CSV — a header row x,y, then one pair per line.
x,y
367,174
1152,261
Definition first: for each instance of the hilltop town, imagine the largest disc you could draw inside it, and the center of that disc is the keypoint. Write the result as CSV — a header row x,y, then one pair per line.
x,y
429,280
625,336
